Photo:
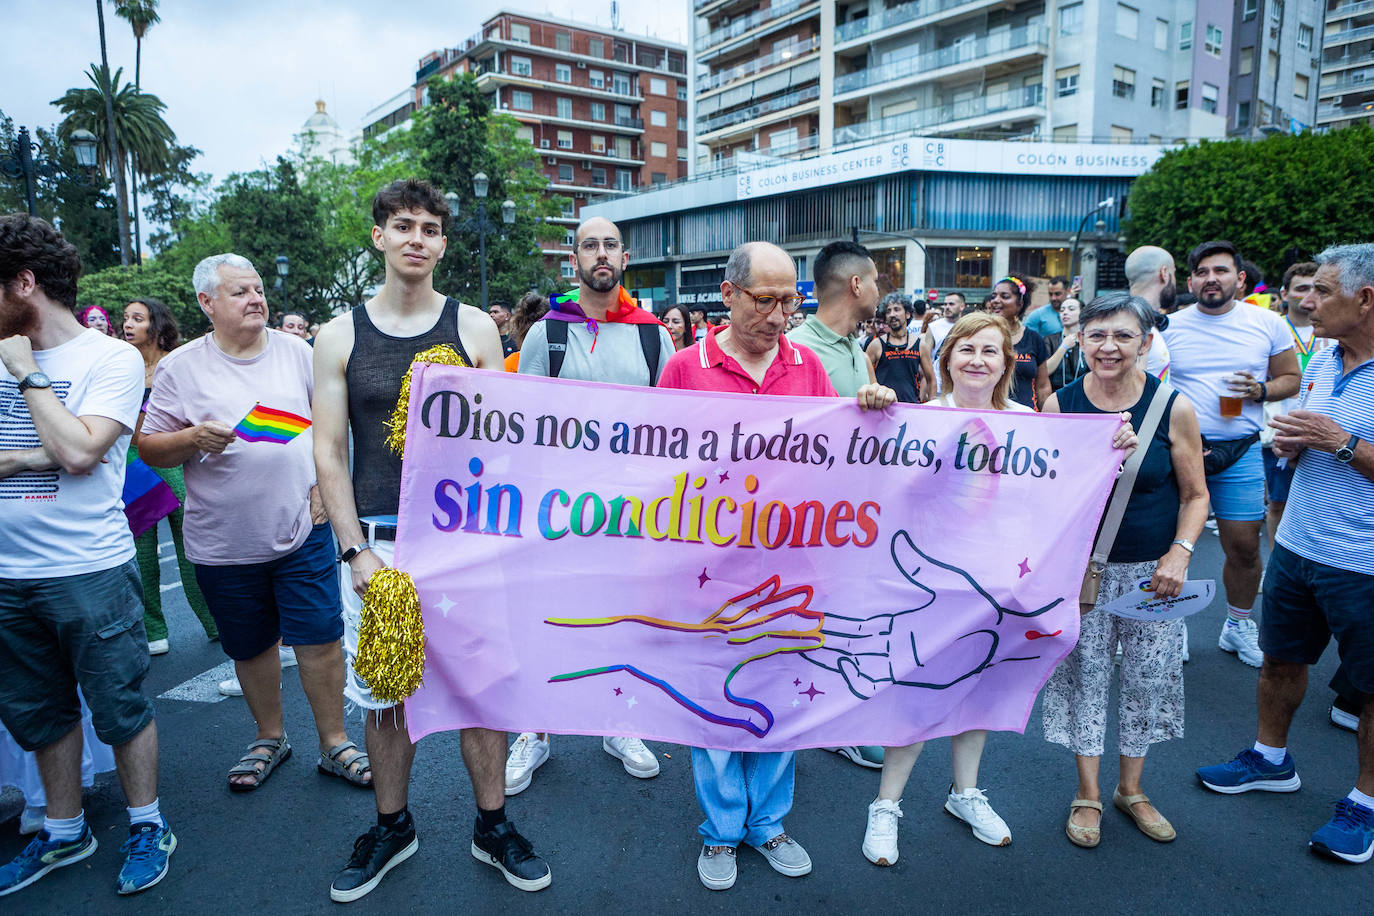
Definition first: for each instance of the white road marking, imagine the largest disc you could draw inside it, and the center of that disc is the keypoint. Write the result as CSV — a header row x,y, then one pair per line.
x,y
171,585
204,687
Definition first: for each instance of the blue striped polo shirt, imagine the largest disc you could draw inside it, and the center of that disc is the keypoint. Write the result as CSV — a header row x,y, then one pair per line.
x,y
1330,514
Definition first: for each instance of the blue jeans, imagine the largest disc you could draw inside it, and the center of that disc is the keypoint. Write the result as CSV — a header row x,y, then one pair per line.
x,y
744,795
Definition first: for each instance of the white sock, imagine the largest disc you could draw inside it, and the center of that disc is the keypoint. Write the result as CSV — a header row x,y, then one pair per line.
x,y
65,828
147,814
1272,754
1360,798
1235,614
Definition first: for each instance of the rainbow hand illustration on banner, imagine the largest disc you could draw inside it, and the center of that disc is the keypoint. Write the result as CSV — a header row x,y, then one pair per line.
x,y
267,424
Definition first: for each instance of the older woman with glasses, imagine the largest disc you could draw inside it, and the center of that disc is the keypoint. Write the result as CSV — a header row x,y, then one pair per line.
x,y
1164,516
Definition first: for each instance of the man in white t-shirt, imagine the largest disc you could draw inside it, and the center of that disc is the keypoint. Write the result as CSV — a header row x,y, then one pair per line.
x,y
1229,358
71,601
931,340
1150,272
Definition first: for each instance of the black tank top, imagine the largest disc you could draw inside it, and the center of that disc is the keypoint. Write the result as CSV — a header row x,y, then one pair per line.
x,y
373,374
899,368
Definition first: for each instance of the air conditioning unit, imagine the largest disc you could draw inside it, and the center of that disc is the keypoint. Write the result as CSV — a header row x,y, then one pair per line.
x,y
582,65
543,144
1337,99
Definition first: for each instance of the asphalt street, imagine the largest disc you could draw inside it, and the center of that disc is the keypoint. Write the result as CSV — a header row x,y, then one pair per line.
x,y
619,844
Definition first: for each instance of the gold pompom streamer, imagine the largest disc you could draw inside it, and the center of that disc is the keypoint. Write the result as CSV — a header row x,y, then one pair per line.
x,y
443,354
391,640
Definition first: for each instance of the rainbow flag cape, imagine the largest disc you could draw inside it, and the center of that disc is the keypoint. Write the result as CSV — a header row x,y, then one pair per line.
x,y
266,424
147,498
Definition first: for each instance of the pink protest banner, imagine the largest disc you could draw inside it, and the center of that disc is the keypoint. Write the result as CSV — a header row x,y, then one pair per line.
x,y
749,573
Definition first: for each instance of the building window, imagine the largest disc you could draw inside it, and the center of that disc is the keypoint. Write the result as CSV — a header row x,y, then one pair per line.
x,y
782,141
598,144
681,93
1121,134
569,236
1181,95
1185,36
1243,114
562,41
624,180
1071,19
658,85
596,79
568,271
596,47
562,73
598,111
521,100
1213,44
681,123
520,66
620,83
1127,21
525,132
599,177
960,268
1271,66
565,174
564,109
1157,94
520,32
1300,85
623,148
682,154
1065,81
1209,98
1123,83
1066,133
658,150
658,118
565,139
659,178
622,115
1162,34
1246,64
1248,11
567,206
1305,37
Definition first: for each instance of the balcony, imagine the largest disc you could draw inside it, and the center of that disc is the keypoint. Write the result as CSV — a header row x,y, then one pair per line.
x,y
550,115
784,56
753,20
1329,112
1029,39
740,115
1350,82
1344,10
1346,36
1028,102
488,74
897,15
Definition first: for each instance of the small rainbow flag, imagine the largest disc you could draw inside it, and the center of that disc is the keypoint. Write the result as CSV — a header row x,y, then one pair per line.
x,y
266,424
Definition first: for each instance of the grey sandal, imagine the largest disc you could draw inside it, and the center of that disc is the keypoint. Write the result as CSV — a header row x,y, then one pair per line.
x,y
353,770
278,750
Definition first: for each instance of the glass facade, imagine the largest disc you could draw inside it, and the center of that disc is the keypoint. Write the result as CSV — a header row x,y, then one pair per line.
x,y
960,268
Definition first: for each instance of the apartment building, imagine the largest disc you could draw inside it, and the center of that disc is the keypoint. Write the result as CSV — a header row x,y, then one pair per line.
x,y
1346,93
798,76
1275,66
606,110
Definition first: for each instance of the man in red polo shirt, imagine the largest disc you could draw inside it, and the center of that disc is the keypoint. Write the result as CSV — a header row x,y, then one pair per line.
x,y
745,795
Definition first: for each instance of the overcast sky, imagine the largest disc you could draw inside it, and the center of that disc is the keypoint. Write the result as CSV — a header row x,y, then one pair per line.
x,y
239,78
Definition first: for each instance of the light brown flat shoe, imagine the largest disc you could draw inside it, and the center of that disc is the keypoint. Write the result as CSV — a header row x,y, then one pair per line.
x,y
1161,831
1087,837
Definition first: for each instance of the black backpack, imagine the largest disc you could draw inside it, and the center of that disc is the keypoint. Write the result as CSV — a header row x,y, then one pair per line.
x,y
557,333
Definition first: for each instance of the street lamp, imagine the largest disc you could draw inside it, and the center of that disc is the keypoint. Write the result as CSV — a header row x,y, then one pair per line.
x,y
20,162
1077,237
283,270
480,186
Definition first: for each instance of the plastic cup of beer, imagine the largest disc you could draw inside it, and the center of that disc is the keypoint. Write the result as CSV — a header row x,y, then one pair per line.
x,y
1231,404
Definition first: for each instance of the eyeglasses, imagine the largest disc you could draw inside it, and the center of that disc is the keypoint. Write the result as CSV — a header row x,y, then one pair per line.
x,y
765,304
1122,338
589,246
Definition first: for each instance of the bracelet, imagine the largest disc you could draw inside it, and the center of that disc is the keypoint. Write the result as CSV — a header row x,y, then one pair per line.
x,y
1264,392
348,555
1185,544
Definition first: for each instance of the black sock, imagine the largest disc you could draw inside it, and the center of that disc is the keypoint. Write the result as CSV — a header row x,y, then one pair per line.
x,y
490,820
399,821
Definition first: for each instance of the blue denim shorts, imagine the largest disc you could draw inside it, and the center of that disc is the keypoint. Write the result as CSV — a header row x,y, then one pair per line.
x,y
1277,480
1307,603
1238,492
294,598
57,633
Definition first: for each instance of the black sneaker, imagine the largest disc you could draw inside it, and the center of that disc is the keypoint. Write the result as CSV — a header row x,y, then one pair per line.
x,y
374,854
505,849
1345,714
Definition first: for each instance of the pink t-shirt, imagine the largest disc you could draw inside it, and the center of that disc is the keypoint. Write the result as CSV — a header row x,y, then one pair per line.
x,y
704,366
250,504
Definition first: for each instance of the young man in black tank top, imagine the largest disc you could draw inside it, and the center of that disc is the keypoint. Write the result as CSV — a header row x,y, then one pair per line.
x,y
360,358
895,354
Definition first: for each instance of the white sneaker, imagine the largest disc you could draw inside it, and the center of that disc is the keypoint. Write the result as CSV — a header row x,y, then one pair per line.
x,y
880,837
231,687
1242,640
527,754
287,655
971,806
638,760
31,819
159,647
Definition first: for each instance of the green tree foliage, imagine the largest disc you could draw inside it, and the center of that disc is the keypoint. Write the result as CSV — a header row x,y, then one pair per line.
x,y
114,287
1305,192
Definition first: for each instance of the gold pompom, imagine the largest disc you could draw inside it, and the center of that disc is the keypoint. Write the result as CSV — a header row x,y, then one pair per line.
x,y
391,640
443,354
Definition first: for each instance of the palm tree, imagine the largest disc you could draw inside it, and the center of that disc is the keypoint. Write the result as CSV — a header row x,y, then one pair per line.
x,y
139,130
141,16
121,203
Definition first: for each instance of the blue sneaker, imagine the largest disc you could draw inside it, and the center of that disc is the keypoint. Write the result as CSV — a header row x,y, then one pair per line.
x,y
1349,835
1251,771
41,856
866,755
146,854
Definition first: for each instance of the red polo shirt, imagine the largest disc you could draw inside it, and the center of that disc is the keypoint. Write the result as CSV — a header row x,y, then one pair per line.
x,y
704,366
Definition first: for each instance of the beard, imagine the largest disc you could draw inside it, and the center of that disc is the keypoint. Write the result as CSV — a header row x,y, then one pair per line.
x,y
1168,296
1215,300
16,317
600,284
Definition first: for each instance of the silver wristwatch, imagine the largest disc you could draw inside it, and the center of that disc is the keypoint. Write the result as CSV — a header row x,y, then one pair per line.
x,y
1185,544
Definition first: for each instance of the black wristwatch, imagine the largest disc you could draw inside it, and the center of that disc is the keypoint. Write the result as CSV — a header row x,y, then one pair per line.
x,y
34,380
353,551
1346,453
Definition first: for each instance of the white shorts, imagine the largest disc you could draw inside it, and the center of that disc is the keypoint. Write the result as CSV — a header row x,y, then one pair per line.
x,y
356,691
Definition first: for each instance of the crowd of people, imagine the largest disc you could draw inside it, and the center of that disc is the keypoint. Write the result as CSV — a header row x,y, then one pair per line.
x,y
273,443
